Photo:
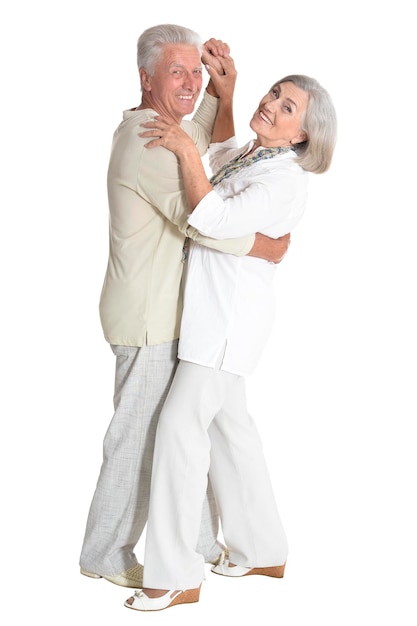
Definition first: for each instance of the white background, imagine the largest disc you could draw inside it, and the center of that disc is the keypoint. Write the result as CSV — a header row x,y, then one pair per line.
x,y
334,395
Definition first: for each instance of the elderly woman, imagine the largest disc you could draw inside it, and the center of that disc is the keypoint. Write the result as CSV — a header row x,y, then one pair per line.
x,y
228,313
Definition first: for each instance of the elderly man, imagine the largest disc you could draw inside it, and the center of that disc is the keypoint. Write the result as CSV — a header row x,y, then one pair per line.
x,y
141,304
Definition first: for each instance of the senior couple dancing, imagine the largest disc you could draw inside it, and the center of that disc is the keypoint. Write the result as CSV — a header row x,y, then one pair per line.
x,y
187,323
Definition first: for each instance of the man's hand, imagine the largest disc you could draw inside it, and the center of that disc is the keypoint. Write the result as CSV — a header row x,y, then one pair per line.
x,y
272,250
224,83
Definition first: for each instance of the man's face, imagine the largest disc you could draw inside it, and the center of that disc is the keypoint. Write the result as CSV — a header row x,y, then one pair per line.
x,y
175,86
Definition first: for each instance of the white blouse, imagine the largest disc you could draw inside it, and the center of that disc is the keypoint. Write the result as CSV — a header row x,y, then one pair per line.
x,y
229,300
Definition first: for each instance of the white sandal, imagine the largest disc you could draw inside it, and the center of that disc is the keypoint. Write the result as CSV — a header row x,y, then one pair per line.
x,y
141,602
224,569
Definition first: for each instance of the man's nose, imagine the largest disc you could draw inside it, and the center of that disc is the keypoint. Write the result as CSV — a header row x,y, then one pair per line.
x,y
190,82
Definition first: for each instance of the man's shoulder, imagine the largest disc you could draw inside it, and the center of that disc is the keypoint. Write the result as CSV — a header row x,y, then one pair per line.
x,y
126,136
134,117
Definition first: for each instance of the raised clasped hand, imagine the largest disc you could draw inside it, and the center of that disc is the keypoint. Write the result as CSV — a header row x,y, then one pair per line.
x,y
213,51
220,67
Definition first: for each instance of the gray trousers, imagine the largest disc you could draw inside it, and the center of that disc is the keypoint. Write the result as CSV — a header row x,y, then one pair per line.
x,y
119,508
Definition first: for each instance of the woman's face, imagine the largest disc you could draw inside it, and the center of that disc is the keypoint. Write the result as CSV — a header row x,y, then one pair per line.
x,y
277,120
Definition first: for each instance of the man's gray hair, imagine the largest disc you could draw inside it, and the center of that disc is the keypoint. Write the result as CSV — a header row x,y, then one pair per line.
x,y
152,41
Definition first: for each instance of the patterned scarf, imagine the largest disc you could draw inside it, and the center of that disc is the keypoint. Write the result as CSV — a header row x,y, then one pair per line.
x,y
238,162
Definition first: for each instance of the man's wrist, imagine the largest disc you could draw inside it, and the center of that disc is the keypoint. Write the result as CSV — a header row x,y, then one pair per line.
x,y
211,90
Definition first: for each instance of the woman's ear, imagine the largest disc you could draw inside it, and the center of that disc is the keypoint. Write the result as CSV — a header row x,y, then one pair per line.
x,y
300,138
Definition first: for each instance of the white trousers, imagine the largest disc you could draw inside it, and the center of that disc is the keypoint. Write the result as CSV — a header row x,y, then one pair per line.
x,y
119,508
204,426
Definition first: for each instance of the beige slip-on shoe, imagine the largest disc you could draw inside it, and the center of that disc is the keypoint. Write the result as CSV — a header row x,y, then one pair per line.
x,y
130,578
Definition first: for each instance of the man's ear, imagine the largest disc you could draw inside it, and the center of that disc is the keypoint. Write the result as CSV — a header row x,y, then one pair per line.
x,y
145,80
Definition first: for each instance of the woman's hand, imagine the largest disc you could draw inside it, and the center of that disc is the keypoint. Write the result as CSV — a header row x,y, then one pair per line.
x,y
220,67
167,134
212,49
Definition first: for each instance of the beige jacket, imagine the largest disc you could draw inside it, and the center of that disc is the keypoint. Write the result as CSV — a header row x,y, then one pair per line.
x,y
141,300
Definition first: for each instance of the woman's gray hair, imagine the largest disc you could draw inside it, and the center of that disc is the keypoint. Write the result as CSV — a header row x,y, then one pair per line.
x,y
152,41
319,123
